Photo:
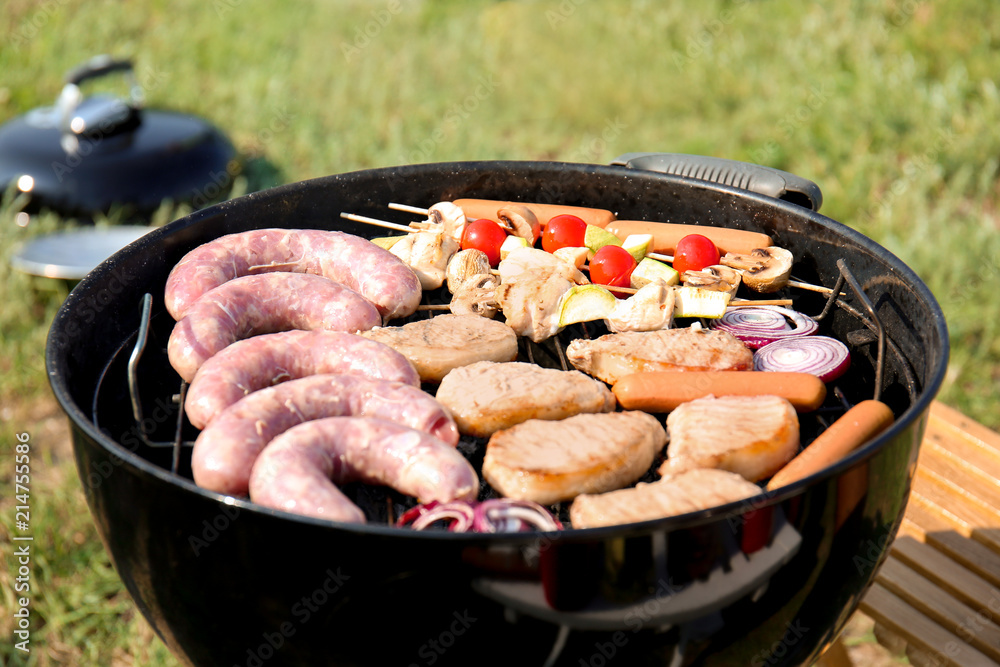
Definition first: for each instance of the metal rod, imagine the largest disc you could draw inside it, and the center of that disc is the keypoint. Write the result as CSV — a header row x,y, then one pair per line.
x,y
833,298
177,432
133,363
863,298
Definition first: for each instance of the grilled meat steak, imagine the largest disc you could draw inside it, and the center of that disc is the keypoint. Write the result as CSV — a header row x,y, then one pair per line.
x,y
443,343
616,355
690,491
753,436
552,461
485,397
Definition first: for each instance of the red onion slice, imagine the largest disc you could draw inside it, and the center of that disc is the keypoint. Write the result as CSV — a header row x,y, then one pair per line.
x,y
497,515
822,356
460,515
758,326
505,515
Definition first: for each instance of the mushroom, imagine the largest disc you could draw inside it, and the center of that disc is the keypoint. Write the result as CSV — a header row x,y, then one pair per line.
x,y
466,264
520,221
763,269
444,217
717,277
476,296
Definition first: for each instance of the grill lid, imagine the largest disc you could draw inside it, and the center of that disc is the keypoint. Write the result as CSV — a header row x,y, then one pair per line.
x,y
85,154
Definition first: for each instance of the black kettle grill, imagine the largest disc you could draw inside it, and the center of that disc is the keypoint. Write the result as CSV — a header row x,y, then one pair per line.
x,y
89,154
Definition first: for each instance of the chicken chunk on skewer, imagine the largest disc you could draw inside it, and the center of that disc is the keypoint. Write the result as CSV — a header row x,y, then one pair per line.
x,y
427,253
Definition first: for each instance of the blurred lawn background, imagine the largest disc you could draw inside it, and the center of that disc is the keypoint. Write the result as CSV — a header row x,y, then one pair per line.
x,y
891,107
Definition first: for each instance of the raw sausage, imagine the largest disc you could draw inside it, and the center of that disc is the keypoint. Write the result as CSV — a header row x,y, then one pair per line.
x,y
487,208
374,272
299,470
667,234
662,391
225,451
858,425
265,360
265,303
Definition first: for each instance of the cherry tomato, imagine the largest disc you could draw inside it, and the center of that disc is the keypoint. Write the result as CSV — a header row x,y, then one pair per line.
x,y
486,235
694,252
612,265
563,231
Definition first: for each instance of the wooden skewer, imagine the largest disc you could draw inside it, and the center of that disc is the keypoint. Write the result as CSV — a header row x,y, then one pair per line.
x,y
665,258
416,209
378,223
432,306
743,303
811,287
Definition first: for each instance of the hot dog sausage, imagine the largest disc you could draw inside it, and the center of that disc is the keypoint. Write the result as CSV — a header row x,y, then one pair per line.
x,y
667,234
225,451
265,303
374,272
265,360
299,469
486,208
858,425
662,391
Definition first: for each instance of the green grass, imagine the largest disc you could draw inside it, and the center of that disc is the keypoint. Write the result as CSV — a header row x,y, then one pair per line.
x,y
890,107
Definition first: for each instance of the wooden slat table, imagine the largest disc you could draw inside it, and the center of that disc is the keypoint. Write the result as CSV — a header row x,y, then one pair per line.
x,y
938,594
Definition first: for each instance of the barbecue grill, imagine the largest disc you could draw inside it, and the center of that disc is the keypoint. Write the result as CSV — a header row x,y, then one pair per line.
x,y
771,580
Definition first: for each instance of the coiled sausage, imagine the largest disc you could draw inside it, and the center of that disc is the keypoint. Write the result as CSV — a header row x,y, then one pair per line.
x,y
224,453
265,360
374,272
265,303
299,470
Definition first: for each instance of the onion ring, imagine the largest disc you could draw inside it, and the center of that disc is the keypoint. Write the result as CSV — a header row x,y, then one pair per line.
x,y
496,515
822,356
758,326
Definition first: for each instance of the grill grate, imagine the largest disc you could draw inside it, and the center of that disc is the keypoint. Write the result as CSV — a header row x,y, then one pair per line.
x,y
386,504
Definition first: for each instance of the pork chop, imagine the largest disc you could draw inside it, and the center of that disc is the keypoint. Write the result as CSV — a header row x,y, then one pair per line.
x,y
690,491
485,396
552,461
616,355
753,436
440,344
